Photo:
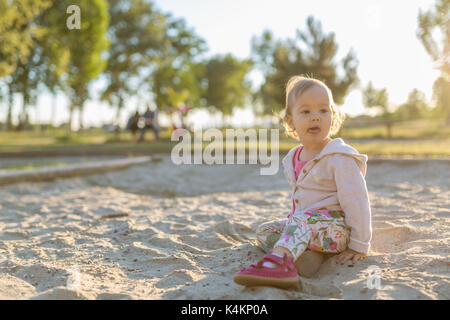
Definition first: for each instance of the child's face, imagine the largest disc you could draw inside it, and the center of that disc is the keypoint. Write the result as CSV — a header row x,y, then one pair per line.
x,y
312,109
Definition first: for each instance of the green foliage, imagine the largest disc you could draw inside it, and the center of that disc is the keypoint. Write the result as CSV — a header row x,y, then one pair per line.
x,y
434,33
176,86
415,108
263,50
227,87
20,56
178,75
136,32
436,23
374,98
57,56
311,53
17,32
84,47
25,80
441,91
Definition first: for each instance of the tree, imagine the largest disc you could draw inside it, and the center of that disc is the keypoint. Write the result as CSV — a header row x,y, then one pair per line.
x,y
414,108
177,86
86,49
441,92
263,50
9,98
25,80
179,72
17,31
53,52
136,33
4,97
311,53
83,49
227,86
374,98
19,54
434,33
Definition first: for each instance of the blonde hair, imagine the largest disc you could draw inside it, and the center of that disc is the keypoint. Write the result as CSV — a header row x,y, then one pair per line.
x,y
295,87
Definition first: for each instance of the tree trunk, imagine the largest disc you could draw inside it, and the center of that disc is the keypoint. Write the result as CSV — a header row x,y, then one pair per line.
x,y
9,124
80,117
53,116
387,118
171,125
117,121
23,115
69,123
389,129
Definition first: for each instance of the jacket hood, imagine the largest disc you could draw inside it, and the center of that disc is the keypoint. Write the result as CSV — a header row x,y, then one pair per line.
x,y
335,146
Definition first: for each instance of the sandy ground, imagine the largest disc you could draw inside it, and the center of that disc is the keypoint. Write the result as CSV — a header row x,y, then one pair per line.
x,y
188,229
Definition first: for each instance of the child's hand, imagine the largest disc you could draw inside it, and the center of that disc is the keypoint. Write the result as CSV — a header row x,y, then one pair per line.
x,y
349,254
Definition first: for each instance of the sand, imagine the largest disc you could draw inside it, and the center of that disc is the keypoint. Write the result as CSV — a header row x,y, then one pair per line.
x,y
159,231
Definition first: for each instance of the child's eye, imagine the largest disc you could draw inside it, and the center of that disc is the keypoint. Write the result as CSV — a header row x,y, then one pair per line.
x,y
305,111
324,110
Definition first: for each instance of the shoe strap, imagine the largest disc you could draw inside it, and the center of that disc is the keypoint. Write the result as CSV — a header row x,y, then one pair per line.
x,y
275,259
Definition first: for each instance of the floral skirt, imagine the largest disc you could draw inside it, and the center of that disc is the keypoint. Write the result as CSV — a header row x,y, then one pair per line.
x,y
318,230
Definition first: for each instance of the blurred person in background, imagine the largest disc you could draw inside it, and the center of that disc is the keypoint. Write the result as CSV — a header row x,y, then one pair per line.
x,y
151,122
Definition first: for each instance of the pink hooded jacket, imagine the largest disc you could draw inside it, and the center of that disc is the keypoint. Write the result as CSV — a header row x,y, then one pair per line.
x,y
334,180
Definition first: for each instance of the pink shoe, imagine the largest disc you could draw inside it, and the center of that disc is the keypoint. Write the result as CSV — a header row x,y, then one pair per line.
x,y
284,275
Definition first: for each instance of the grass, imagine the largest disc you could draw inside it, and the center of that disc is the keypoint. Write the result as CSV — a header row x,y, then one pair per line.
x,y
52,138
420,138
32,165
423,129
415,148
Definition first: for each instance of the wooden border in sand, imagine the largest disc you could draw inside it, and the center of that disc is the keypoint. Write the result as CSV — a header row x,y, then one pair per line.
x,y
74,170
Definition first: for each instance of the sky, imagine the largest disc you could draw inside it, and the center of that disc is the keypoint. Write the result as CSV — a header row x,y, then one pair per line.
x,y
382,33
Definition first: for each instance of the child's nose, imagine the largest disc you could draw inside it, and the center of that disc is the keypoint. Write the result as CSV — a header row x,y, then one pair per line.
x,y
315,116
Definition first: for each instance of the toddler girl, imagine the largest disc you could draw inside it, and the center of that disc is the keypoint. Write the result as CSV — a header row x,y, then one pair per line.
x,y
331,209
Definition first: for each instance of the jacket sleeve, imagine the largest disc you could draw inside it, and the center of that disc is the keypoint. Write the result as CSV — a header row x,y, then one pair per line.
x,y
354,200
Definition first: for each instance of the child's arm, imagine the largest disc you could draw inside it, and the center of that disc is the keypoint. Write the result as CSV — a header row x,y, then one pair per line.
x,y
354,200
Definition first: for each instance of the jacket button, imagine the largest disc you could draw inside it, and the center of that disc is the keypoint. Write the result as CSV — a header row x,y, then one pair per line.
x,y
304,171
296,200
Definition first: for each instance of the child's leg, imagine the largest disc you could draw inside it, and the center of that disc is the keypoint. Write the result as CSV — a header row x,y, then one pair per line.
x,y
309,263
322,233
329,232
268,234
295,236
329,236
276,270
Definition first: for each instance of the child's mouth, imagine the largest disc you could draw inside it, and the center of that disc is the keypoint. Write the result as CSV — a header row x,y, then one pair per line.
x,y
314,130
